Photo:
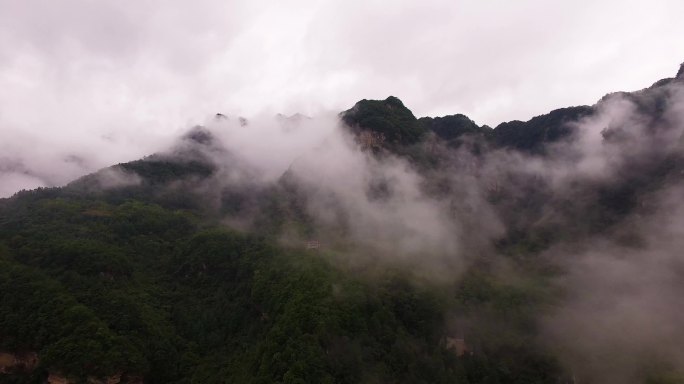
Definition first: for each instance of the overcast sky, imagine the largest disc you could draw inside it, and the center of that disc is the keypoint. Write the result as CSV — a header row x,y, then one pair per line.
x,y
87,83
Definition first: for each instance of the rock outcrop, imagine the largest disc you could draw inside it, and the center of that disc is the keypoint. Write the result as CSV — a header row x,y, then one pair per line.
x,y
119,378
56,378
17,362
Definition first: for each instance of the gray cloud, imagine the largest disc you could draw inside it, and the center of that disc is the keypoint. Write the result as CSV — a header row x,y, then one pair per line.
x,y
378,204
622,319
109,82
85,85
89,84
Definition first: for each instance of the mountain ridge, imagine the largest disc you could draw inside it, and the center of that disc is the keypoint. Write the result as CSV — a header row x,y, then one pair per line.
x,y
401,249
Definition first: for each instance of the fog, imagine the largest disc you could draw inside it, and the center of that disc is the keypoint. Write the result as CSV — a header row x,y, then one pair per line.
x,y
619,319
376,203
89,84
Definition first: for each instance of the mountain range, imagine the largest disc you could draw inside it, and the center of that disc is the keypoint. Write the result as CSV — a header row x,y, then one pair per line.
x,y
367,247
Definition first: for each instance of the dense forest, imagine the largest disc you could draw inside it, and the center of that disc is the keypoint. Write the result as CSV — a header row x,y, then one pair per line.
x,y
449,255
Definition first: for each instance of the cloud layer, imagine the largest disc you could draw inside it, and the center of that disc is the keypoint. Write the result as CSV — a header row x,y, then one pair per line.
x,y
86,84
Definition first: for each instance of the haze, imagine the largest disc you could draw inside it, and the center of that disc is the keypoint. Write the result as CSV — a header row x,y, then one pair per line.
x,y
86,84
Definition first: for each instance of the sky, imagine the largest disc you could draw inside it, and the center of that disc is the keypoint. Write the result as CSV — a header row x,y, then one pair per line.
x,y
85,83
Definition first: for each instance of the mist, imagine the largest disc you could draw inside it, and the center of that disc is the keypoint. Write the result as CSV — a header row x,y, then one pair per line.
x,y
86,85
603,202
617,319
620,321
375,203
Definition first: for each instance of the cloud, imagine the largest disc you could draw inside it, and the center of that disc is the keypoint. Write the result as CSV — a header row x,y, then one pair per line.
x,y
441,216
109,82
622,317
376,204
620,321
89,84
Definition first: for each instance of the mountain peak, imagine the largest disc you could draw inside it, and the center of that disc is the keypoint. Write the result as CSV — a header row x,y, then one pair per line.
x,y
200,135
680,74
388,118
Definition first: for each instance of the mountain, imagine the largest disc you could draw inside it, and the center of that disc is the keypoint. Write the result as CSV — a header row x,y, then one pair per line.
x,y
399,249
388,119
450,128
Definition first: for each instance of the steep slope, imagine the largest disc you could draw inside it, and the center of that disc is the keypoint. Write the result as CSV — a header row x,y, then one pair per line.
x,y
99,289
452,127
183,267
389,120
533,135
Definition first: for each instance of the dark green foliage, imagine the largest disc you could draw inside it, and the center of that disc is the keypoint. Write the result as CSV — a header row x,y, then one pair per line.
x,y
97,288
162,170
39,314
531,136
392,119
388,117
169,180
140,279
453,127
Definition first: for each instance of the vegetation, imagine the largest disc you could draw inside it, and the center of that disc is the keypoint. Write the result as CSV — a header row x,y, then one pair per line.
x,y
531,136
388,117
145,280
453,127
99,288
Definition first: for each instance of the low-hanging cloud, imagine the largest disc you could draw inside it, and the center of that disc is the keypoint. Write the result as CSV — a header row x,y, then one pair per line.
x,y
621,319
109,82
86,85
377,203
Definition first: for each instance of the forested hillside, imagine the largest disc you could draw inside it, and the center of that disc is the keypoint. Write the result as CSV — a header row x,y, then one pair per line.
x,y
400,250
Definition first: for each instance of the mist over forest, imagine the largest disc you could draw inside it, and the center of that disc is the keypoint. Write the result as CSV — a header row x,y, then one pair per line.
x,y
363,246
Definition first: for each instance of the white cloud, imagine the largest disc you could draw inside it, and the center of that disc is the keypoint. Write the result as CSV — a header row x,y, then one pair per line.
x,y
110,81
